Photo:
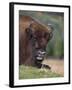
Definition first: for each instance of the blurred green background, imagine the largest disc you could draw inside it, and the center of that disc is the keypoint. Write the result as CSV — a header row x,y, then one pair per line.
x,y
55,47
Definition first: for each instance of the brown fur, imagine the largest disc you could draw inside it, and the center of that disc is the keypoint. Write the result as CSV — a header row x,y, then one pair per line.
x,y
25,47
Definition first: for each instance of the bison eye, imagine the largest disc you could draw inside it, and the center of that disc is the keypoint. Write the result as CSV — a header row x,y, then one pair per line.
x,y
46,35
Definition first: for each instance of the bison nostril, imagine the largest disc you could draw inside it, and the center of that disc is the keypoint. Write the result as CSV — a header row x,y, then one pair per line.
x,y
36,46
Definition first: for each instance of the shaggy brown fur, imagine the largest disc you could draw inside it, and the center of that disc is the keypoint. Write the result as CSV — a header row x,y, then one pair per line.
x,y
40,32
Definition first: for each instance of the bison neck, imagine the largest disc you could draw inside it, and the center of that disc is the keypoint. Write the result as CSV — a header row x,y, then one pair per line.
x,y
25,52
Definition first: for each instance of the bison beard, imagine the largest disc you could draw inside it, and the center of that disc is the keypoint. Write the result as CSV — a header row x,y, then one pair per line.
x,y
33,38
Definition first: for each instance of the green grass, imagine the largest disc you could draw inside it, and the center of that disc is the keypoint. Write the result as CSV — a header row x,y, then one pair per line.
x,y
27,72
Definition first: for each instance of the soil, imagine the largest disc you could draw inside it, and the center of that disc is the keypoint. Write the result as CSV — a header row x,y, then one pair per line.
x,y
57,65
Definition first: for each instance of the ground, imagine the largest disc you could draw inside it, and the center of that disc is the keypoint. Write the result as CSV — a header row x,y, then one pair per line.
x,y
57,70
57,65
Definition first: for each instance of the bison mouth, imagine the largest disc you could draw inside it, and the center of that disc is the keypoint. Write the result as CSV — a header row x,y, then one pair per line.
x,y
40,54
39,57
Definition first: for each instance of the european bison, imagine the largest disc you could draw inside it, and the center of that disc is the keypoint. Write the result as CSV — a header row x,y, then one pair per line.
x,y
33,38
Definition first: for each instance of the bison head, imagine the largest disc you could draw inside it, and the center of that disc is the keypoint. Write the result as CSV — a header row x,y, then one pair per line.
x,y
39,35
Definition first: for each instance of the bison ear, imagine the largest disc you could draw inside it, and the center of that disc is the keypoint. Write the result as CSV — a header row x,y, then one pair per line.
x,y
29,30
50,27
